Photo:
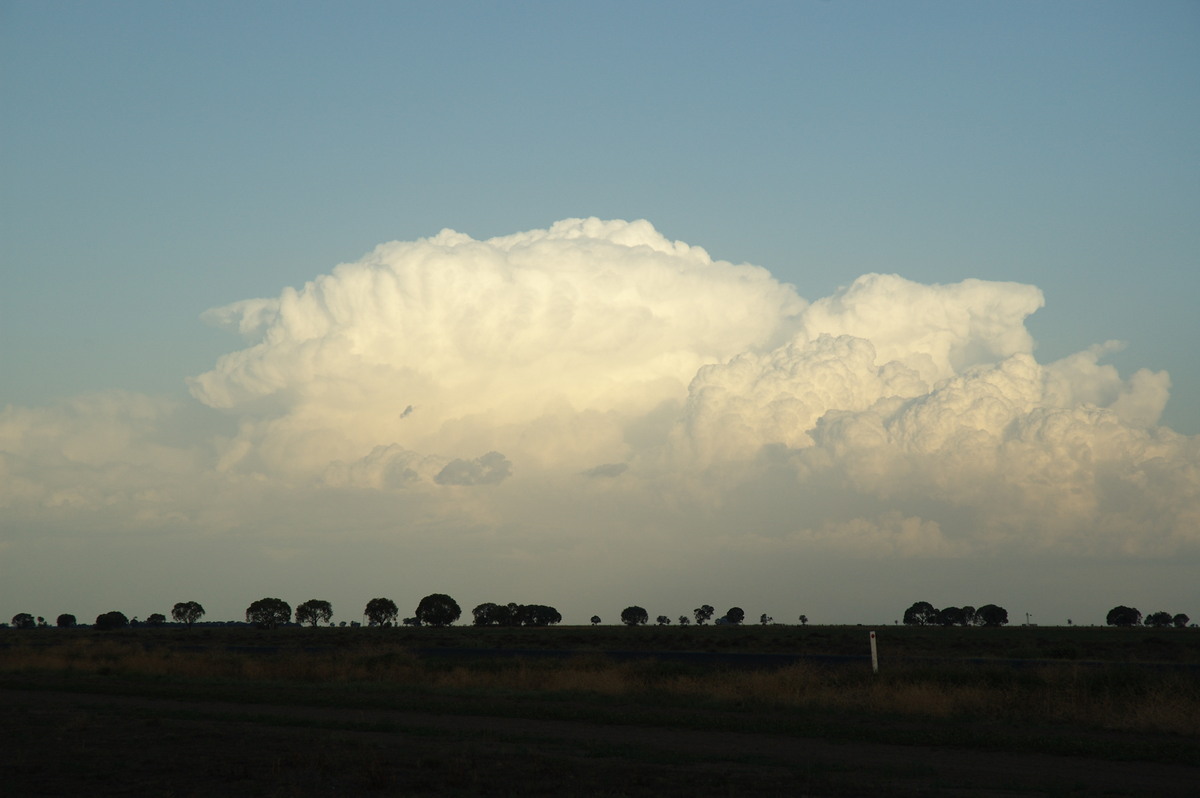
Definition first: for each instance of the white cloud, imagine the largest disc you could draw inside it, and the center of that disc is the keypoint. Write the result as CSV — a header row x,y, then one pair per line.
x,y
555,399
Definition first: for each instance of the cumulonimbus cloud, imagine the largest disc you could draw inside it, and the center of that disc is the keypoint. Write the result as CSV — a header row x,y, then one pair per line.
x,y
601,357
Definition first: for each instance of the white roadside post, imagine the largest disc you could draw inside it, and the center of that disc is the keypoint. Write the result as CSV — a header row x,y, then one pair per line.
x,y
874,655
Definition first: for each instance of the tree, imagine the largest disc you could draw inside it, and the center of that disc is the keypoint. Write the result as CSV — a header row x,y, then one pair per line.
x,y
921,613
663,620
65,621
735,615
1159,620
703,613
486,614
1180,621
970,616
314,611
952,616
437,609
765,619
1123,616
111,620
991,615
23,620
187,612
156,619
381,612
633,616
267,613
595,620
804,620
539,615
684,620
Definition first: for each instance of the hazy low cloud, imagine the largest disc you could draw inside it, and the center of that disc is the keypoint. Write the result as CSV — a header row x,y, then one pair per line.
x,y
490,469
890,419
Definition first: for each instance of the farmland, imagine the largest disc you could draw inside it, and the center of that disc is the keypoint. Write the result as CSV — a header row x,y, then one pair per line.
x,y
601,711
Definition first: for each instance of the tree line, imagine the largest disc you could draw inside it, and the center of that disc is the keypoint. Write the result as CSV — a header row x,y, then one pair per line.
x,y
439,609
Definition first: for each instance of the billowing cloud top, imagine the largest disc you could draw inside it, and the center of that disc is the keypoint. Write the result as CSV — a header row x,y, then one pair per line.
x,y
598,364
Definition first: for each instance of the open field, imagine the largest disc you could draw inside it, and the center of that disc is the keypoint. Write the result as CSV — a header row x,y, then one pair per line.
x,y
601,711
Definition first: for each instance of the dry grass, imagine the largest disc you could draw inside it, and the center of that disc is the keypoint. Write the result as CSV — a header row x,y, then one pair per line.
x,y
1126,698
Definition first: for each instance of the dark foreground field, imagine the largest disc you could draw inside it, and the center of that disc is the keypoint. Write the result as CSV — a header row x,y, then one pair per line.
x,y
229,711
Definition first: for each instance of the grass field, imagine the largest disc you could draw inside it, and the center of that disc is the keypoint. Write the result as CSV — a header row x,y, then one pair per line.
x,y
604,711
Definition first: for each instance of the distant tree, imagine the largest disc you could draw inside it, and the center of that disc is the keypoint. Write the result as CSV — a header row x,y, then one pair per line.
x,y
1159,620
41,622
970,616
23,620
765,619
111,620
735,615
437,609
663,620
313,612
703,613
486,614
804,620
156,619
267,613
1180,621
991,615
595,620
65,621
187,612
921,613
684,620
411,622
952,616
539,615
381,612
1123,616
633,616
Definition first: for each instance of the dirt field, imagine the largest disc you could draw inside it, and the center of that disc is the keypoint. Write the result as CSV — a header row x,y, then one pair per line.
x,y
70,743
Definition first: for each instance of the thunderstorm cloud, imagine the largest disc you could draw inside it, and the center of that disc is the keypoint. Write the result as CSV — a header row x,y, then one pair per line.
x,y
597,380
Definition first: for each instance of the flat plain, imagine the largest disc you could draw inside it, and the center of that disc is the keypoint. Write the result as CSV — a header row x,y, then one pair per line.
x,y
700,710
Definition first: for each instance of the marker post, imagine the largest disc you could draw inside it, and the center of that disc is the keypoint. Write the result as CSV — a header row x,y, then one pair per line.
x,y
874,655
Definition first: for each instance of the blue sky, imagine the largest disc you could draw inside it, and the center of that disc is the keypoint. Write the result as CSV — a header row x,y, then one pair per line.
x,y
160,160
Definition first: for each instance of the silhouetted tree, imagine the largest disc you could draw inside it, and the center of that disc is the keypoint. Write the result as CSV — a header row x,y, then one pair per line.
x,y
381,612
595,620
804,620
765,619
267,613
991,615
187,612
314,611
486,614
633,616
437,609
684,620
539,615
111,620
970,616
663,620
1160,619
735,615
952,616
65,621
411,622
1123,616
921,613
703,613
156,619
23,620
1180,621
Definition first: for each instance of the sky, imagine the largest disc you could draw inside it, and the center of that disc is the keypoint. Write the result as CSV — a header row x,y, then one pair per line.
x,y
814,308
